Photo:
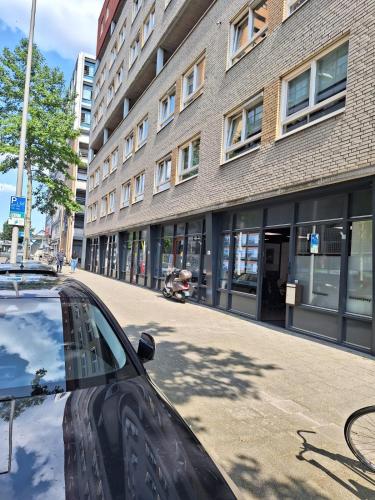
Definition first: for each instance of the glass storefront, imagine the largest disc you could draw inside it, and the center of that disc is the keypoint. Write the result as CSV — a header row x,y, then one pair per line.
x,y
133,259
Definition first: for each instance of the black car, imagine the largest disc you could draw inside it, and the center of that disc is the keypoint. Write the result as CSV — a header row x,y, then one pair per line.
x,y
79,416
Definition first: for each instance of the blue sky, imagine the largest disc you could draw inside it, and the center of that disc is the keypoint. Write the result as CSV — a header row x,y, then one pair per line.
x,y
63,28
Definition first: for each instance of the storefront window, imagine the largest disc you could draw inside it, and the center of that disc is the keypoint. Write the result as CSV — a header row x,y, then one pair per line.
x,y
359,292
128,262
193,256
245,268
166,255
318,264
178,252
224,261
141,267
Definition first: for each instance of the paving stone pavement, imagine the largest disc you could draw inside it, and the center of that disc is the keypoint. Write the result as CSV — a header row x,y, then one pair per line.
x,y
268,405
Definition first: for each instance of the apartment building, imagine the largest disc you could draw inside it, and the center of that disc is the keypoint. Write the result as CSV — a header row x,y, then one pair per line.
x,y
66,231
235,139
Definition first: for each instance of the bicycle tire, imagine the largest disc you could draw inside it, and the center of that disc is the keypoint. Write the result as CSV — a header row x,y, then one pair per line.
x,y
359,449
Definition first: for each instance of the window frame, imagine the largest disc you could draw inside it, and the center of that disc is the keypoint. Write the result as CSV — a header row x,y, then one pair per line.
x,y
119,78
164,186
170,116
140,144
137,197
189,98
183,146
136,43
113,168
128,155
150,15
125,187
106,170
94,214
111,202
311,66
121,35
104,206
289,4
247,11
110,93
228,118
135,10
96,177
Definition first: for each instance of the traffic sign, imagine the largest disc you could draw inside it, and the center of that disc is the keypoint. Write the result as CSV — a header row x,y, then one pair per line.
x,y
17,205
16,221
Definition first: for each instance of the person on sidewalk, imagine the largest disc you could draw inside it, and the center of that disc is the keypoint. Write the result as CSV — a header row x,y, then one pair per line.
x,y
59,260
74,262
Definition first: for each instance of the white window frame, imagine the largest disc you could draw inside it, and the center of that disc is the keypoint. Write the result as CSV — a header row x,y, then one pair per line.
x,y
243,109
111,201
114,165
104,206
139,195
136,7
113,55
170,115
311,108
147,23
166,3
291,6
125,188
94,215
121,35
119,77
134,50
188,98
110,93
141,141
235,56
91,182
128,153
180,171
166,184
97,177
89,214
106,168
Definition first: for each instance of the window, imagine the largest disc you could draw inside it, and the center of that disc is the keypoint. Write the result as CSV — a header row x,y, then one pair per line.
x,y
89,213
87,93
91,182
88,70
137,4
292,5
119,77
245,265
193,81
163,174
148,25
167,107
243,128
102,76
94,211
85,118
121,35
188,162
104,206
359,292
315,91
142,132
125,194
166,3
95,120
139,187
100,110
247,30
110,93
113,54
106,168
114,160
134,51
112,202
128,146
97,177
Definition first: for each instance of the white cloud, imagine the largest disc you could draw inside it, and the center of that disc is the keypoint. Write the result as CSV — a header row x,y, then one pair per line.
x,y
64,26
7,188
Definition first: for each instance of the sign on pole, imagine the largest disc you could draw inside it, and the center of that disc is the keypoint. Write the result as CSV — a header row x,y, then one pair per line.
x,y
17,211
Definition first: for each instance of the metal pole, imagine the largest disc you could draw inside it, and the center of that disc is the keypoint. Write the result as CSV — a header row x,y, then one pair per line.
x,y
21,158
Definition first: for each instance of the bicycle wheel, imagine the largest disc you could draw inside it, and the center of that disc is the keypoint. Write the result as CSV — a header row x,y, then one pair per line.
x,y
360,435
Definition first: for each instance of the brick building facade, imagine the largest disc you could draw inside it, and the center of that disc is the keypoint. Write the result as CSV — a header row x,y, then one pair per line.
x,y
235,139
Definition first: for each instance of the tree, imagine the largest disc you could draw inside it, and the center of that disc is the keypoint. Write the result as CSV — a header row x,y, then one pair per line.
x,y
7,232
50,131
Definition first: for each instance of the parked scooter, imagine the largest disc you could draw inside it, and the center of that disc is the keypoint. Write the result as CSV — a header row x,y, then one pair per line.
x,y
177,285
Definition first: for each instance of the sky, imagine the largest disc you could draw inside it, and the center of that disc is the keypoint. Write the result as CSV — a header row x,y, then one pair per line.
x,y
63,28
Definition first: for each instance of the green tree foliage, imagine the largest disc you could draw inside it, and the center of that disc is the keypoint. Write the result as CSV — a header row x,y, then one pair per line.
x,y
6,234
50,129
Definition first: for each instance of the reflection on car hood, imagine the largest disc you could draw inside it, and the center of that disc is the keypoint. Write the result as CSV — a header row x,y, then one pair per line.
x,y
120,440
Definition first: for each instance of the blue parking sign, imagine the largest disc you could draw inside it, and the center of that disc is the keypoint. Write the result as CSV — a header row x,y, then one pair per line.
x,y
17,205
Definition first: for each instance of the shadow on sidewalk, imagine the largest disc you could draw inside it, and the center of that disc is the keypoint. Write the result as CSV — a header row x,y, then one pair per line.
x,y
184,370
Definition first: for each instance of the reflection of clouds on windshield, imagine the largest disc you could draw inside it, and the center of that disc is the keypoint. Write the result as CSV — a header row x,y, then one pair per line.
x,y
33,331
38,434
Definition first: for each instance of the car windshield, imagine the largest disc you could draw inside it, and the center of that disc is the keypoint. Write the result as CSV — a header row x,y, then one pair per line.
x,y
54,345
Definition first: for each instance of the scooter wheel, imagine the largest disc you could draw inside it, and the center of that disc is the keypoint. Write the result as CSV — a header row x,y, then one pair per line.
x,y
166,294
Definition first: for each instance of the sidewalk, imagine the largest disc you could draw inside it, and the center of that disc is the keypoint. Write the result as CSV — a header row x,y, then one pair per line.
x,y
270,406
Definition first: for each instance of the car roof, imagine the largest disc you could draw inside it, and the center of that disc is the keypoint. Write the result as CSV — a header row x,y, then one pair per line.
x,y
29,285
27,266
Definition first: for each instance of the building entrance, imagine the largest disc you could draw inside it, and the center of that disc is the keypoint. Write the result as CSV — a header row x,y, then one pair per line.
x,y
275,275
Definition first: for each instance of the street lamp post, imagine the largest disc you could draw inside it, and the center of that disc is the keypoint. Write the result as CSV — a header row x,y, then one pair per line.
x,y
21,158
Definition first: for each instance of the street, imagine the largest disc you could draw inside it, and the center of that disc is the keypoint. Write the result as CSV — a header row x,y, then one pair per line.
x,y
268,405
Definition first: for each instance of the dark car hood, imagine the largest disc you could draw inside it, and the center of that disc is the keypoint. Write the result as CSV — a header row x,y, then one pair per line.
x,y
121,440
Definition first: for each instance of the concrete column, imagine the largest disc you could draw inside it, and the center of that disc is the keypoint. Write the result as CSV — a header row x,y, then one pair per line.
x,y
126,108
159,60
105,135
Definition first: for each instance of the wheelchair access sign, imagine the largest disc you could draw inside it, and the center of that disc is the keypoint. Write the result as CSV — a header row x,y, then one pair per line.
x,y
17,211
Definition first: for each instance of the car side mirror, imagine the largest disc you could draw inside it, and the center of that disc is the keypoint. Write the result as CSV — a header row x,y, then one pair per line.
x,y
146,347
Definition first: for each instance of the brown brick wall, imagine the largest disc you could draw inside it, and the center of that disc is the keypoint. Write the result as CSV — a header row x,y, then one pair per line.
x,y
271,99
276,14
